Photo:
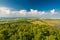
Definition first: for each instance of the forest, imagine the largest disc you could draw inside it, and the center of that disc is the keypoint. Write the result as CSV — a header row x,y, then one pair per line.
x,y
29,29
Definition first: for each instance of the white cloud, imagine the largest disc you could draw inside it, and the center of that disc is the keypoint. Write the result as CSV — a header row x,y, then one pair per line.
x,y
52,11
14,13
22,12
33,12
41,13
36,12
4,11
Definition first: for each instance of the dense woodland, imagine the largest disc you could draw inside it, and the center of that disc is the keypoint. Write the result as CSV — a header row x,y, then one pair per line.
x,y
26,30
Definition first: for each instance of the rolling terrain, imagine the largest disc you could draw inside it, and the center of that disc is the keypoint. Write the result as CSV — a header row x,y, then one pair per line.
x,y
30,29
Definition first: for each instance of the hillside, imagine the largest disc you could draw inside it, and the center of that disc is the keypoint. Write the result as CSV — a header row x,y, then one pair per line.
x,y
29,29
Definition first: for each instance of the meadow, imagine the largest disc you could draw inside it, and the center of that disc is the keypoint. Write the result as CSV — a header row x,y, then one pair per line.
x,y
30,29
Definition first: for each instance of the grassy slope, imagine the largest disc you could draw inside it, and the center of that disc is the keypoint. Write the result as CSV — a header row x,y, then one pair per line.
x,y
32,28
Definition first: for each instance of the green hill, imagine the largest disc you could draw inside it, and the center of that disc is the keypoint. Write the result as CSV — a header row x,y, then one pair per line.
x,y
29,29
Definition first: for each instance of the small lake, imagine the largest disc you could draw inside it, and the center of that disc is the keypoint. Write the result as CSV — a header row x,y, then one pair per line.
x,y
57,25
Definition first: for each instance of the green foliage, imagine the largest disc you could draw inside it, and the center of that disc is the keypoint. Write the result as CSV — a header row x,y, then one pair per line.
x,y
25,30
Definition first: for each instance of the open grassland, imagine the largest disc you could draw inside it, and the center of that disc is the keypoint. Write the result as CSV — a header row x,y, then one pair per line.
x,y
30,29
53,21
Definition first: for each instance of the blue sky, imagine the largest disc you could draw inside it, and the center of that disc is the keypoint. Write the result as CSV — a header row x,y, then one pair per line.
x,y
43,6
31,4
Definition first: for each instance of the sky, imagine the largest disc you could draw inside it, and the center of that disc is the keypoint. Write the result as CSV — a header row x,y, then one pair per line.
x,y
30,8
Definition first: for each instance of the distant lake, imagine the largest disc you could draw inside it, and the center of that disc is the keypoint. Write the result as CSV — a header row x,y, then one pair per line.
x,y
57,25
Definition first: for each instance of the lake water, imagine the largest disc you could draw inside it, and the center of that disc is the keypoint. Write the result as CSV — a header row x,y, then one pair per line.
x,y
57,25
